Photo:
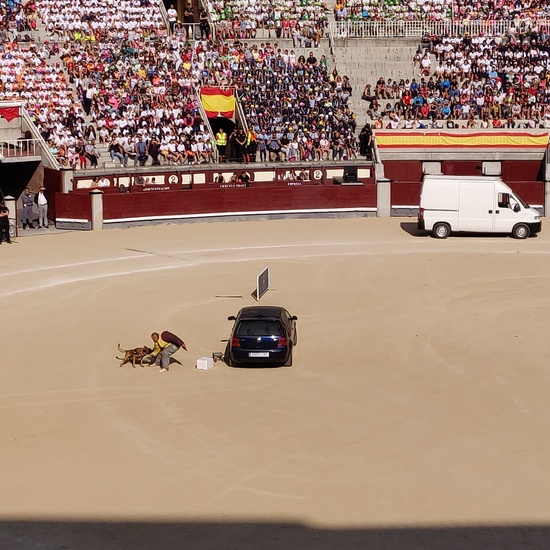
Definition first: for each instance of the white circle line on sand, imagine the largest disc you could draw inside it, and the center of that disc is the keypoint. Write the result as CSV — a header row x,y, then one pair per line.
x,y
146,253
194,263
75,264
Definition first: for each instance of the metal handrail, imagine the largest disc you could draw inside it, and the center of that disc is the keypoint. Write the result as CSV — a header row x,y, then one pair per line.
x,y
164,14
45,150
10,148
240,111
375,151
416,29
331,40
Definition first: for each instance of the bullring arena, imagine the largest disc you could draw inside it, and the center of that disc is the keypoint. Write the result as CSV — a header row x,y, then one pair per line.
x,y
415,414
181,149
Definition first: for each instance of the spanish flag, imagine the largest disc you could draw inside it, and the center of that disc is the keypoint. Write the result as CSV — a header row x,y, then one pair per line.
x,y
218,102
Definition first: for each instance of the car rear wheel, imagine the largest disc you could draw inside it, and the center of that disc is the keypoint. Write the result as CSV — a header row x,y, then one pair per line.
x,y
227,358
441,230
521,231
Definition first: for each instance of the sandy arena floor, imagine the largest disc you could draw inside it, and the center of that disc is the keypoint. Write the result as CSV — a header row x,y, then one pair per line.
x,y
415,416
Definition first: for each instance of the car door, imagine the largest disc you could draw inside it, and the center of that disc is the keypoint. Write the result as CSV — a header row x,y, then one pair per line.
x,y
290,325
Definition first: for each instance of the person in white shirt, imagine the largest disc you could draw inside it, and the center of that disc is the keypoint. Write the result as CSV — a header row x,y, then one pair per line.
x,y
172,17
41,200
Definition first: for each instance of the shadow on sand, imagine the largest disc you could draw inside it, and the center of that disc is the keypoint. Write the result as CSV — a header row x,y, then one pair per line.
x,y
412,229
89,535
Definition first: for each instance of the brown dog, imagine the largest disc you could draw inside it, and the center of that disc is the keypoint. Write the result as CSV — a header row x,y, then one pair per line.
x,y
133,355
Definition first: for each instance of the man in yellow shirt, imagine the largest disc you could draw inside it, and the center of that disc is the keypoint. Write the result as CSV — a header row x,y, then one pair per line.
x,y
165,345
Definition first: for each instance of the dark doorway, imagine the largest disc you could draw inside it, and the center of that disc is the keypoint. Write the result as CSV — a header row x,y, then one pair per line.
x,y
221,122
15,176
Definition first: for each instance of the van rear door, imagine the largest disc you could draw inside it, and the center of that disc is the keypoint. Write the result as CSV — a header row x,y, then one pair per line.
x,y
476,206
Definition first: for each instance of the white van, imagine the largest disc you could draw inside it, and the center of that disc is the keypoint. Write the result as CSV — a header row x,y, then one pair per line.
x,y
474,204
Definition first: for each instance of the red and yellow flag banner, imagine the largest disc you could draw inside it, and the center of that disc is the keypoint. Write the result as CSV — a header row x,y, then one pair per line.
x,y
476,140
218,101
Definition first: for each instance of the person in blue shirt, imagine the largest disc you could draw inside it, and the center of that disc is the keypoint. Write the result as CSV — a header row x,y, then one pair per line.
x,y
417,103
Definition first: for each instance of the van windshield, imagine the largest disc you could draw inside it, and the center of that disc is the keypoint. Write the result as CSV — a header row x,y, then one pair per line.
x,y
524,204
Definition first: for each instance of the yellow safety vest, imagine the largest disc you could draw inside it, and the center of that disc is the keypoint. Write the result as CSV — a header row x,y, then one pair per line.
x,y
221,138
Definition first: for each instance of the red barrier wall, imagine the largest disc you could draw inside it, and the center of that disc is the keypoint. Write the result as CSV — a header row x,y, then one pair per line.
x,y
461,167
532,192
522,170
75,206
405,193
53,182
403,170
212,201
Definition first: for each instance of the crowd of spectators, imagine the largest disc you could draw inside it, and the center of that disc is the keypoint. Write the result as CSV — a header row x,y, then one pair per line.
x,y
116,76
470,82
133,84
297,109
135,87
441,10
304,21
16,17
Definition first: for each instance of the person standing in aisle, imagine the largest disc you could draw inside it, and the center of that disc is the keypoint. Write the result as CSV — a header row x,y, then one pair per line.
x,y
27,199
41,200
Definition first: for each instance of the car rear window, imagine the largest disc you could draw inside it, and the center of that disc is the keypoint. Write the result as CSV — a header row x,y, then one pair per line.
x,y
260,328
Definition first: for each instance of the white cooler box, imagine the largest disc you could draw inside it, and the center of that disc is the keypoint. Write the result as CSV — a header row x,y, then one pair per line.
x,y
205,363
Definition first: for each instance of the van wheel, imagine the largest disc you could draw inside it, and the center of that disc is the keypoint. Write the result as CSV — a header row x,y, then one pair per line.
x,y
441,230
521,231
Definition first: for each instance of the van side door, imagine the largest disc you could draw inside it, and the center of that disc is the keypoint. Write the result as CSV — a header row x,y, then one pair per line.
x,y
476,208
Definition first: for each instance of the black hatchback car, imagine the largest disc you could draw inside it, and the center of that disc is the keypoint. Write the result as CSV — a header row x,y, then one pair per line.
x,y
262,335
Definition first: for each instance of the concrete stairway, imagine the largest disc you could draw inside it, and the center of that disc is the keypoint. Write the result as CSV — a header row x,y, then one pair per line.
x,y
365,61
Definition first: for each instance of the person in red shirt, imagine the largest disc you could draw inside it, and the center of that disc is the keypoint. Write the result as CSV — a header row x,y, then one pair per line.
x,y
165,345
425,111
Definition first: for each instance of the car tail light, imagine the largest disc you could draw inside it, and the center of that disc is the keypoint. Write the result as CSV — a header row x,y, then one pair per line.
x,y
236,342
283,341
421,213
